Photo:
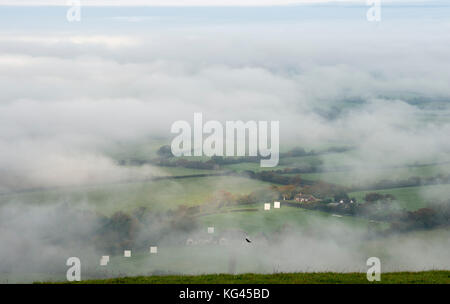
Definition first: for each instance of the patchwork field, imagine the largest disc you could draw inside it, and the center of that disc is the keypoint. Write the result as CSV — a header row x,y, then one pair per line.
x,y
250,220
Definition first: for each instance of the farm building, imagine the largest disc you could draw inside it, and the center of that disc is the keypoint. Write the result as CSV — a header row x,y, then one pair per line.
x,y
303,198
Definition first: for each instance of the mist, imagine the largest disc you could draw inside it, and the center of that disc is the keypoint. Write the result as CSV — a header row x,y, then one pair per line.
x,y
37,240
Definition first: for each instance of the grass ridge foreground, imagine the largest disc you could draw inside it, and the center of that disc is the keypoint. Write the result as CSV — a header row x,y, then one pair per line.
x,y
423,277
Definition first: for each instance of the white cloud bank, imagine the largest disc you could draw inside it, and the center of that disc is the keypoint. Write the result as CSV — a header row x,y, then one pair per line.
x,y
65,98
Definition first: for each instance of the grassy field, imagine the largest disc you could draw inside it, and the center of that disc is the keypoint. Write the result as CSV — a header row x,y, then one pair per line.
x,y
252,219
358,178
426,277
268,221
180,171
351,178
209,258
156,195
411,198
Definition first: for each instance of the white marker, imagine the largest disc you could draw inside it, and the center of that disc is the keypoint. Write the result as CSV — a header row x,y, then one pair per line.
x,y
276,205
127,253
153,249
267,206
210,230
104,260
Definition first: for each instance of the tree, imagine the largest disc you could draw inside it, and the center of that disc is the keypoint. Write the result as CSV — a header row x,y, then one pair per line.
x,y
425,217
287,192
165,151
373,197
341,196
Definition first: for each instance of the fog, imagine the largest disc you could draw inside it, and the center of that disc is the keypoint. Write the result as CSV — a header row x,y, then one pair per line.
x,y
70,97
37,240
73,106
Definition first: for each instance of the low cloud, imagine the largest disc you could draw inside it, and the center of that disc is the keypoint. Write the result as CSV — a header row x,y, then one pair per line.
x,y
65,95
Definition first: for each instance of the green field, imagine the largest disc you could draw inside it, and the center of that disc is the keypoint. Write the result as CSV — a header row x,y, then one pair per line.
x,y
198,259
155,195
189,264
367,177
204,258
194,261
425,277
355,177
412,198
261,221
180,171
255,167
